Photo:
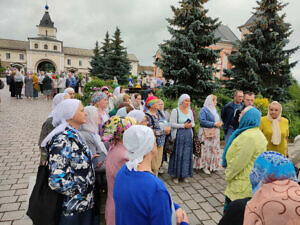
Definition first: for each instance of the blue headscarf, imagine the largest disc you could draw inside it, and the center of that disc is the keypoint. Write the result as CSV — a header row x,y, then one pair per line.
x,y
249,120
270,166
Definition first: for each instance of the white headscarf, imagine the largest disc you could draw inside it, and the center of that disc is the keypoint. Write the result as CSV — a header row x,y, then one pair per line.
x,y
68,90
182,98
122,112
276,132
64,111
138,141
208,103
91,125
56,100
117,91
137,114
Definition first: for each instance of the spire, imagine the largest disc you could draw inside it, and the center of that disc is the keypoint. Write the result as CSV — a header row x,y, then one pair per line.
x,y
46,20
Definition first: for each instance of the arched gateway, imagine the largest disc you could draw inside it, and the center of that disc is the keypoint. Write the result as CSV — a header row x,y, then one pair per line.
x,y
46,65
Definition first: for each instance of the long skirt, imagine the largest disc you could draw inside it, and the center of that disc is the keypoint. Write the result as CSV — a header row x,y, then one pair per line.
x,y
19,86
181,159
88,217
211,152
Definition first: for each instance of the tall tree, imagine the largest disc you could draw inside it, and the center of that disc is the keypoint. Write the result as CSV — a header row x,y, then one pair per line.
x,y
262,64
117,62
97,61
185,57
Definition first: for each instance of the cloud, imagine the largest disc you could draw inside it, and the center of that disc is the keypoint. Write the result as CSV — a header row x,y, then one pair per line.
x,y
142,22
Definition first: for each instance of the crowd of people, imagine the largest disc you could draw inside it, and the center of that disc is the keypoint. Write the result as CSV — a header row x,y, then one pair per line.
x,y
48,84
119,143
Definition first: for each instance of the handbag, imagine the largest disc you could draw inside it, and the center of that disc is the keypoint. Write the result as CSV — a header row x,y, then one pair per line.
x,y
196,144
210,132
45,205
169,144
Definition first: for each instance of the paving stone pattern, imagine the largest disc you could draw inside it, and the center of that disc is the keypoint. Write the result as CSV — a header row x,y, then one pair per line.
x,y
20,124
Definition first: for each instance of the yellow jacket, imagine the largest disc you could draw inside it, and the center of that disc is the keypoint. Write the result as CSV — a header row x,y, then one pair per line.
x,y
240,158
266,128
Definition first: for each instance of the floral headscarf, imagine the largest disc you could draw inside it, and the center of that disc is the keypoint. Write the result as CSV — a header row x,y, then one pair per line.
x,y
98,96
270,166
114,129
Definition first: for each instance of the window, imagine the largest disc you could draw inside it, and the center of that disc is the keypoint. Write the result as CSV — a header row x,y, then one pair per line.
x,y
7,55
45,46
69,61
21,56
80,63
55,48
36,45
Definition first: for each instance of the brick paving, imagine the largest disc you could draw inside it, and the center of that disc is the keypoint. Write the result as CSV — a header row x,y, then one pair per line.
x,y
20,124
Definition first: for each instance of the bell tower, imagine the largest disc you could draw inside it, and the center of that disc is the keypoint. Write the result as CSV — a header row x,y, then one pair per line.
x,y
46,27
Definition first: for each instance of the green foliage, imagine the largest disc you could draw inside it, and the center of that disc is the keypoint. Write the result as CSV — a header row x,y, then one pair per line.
x,y
262,63
91,87
2,69
185,57
111,59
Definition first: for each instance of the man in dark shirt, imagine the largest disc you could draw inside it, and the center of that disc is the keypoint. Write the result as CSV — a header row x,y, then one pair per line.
x,y
248,101
227,113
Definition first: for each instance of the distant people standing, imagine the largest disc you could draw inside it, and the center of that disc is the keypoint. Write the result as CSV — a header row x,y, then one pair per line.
x,y
19,79
130,82
77,80
41,78
227,113
28,87
35,81
12,84
61,83
71,81
47,86
249,98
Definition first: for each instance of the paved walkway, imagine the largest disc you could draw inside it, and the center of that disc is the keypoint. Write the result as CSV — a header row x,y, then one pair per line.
x,y
20,124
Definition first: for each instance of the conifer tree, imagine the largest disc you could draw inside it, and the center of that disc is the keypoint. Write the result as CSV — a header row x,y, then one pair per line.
x,y
116,61
262,63
97,62
185,57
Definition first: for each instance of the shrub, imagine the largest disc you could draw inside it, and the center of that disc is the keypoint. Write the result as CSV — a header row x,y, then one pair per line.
x,y
262,104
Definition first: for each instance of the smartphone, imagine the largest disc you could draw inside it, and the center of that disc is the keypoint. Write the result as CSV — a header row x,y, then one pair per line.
x,y
188,121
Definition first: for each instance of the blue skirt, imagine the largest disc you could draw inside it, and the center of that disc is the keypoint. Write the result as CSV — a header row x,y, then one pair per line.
x,y
181,159
88,217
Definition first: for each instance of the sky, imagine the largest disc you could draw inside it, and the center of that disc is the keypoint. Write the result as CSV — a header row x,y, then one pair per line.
x,y
143,25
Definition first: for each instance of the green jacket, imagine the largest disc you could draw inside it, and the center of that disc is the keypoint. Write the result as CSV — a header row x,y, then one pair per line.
x,y
240,159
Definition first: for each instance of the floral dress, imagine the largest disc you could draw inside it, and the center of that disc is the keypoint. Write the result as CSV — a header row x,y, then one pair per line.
x,y
71,171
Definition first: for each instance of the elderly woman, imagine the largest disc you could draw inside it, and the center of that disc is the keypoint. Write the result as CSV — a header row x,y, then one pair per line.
x,y
28,86
70,91
154,121
47,126
70,164
209,134
36,86
241,150
114,129
275,128
137,191
275,192
181,159
268,167
136,101
100,101
121,101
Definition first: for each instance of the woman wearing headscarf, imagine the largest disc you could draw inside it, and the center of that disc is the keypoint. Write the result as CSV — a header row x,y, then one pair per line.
x,y
275,128
47,86
70,165
154,121
209,134
90,135
110,97
70,91
121,101
181,159
139,116
114,129
240,152
100,101
12,84
47,126
136,101
28,86
275,192
137,192
268,167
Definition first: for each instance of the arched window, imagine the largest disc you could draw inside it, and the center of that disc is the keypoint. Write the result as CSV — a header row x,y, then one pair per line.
x,y
36,45
55,48
45,46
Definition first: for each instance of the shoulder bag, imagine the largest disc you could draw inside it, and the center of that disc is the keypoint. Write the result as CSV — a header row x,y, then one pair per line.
x,y
210,132
196,144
